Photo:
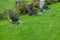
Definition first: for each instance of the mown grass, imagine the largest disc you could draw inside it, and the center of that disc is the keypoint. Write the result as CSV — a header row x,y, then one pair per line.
x,y
42,27
4,4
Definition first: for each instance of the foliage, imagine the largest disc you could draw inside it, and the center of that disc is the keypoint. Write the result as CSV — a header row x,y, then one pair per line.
x,y
3,16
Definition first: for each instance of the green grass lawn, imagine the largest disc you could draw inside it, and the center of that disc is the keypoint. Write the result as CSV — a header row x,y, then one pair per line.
x,y
6,4
44,27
